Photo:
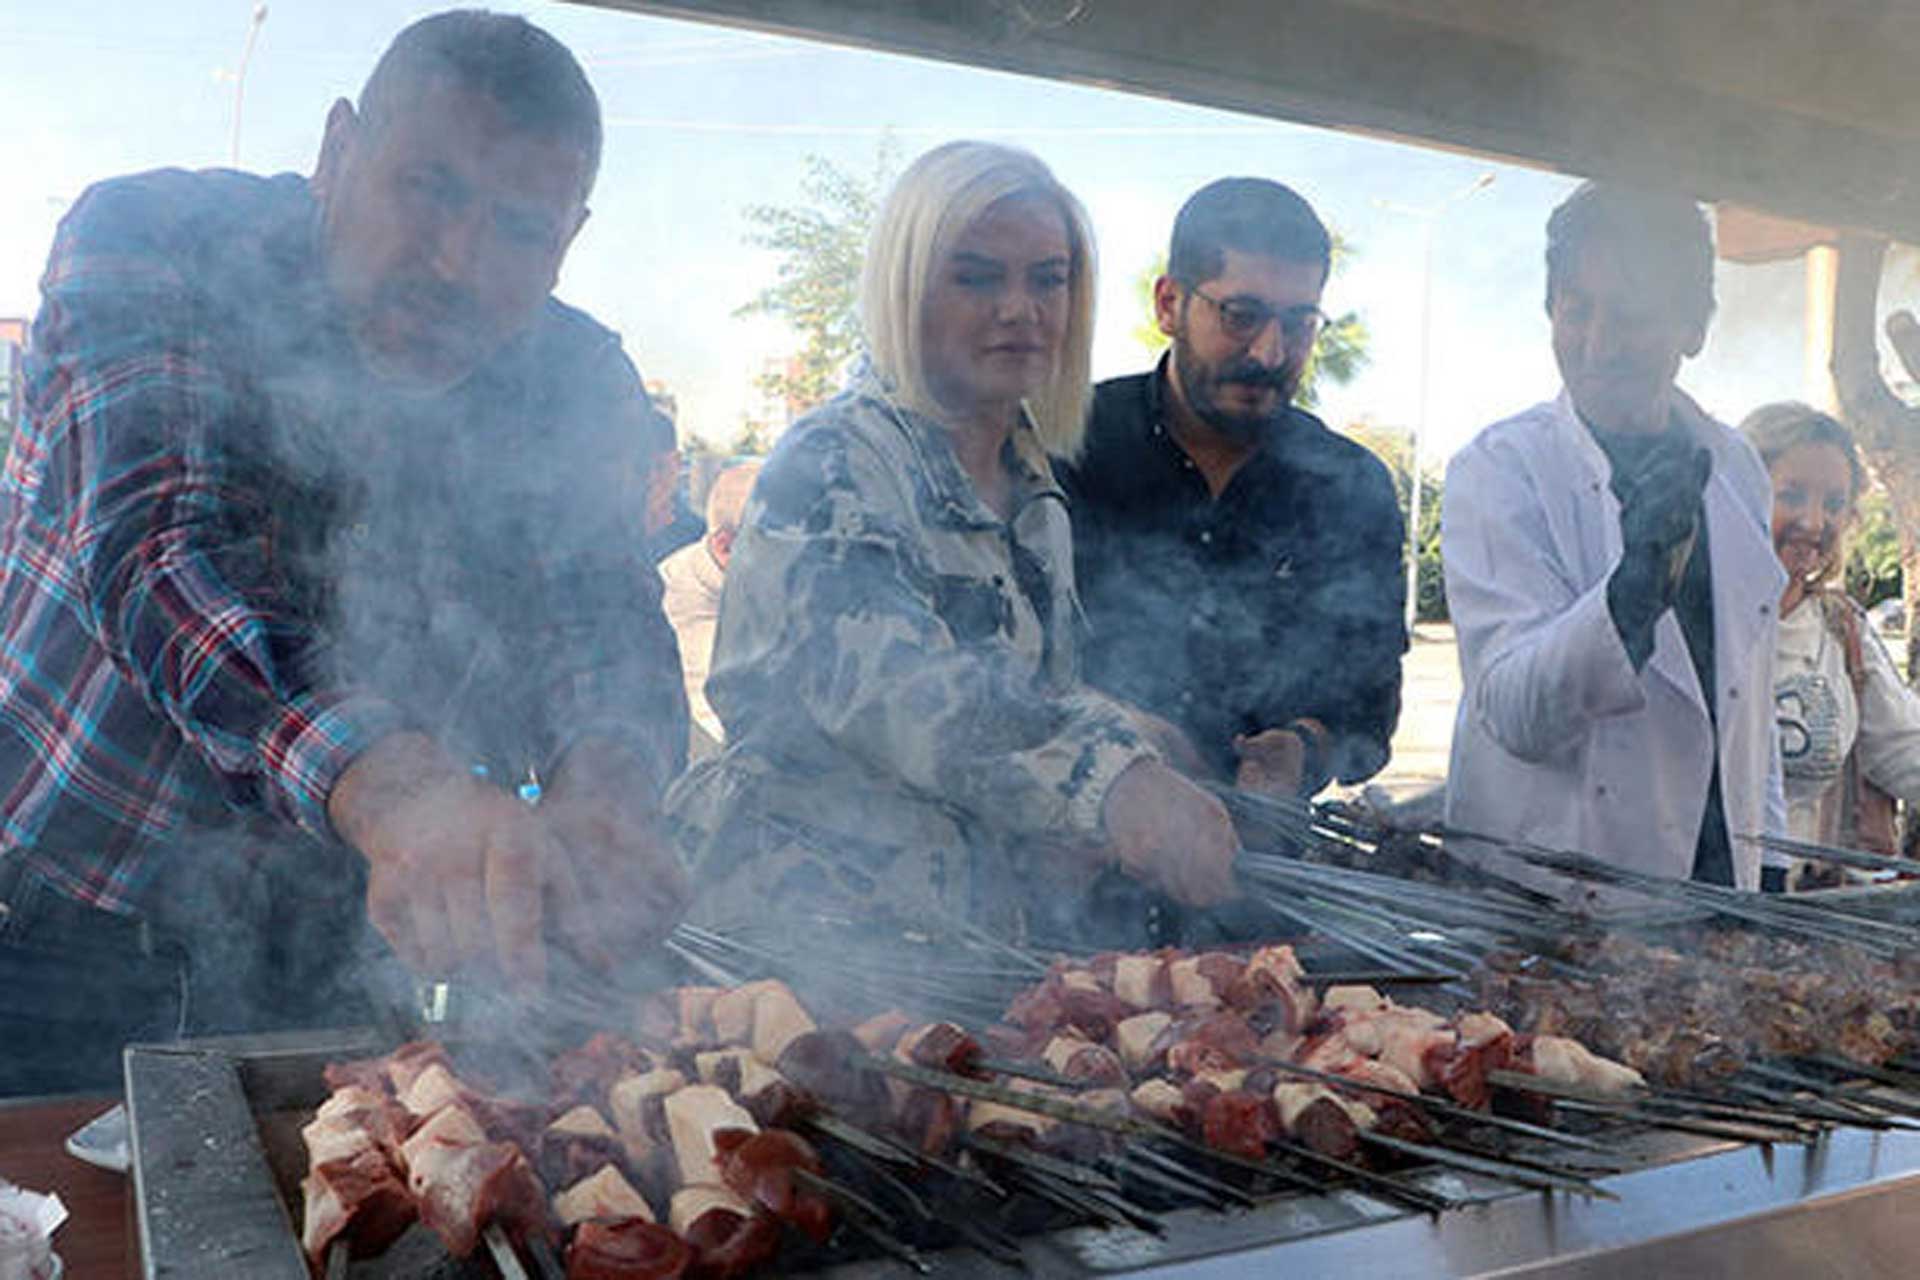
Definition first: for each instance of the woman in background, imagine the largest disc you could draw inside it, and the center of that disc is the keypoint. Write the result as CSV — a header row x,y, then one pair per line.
x,y
895,665
1849,727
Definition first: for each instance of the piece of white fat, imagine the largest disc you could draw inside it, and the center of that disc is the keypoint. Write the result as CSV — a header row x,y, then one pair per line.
x,y
981,1113
1481,1028
694,1115
778,1020
431,1090
1157,1098
732,1011
1061,1050
451,1125
1134,1037
335,1138
1280,961
1291,1098
691,1203
1190,986
604,1194
1352,998
582,1122
348,1100
1134,979
627,1098
1569,1062
1225,1081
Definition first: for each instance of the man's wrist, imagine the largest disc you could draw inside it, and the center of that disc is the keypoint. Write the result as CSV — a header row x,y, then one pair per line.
x,y
396,769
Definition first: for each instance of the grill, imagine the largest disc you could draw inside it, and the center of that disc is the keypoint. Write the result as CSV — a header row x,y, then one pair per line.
x,y
1790,1174
217,1162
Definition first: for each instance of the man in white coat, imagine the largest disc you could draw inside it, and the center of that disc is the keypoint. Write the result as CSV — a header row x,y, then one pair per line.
x,y
1611,576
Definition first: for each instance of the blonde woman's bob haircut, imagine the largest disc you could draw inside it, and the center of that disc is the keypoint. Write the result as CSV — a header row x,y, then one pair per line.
x,y
934,202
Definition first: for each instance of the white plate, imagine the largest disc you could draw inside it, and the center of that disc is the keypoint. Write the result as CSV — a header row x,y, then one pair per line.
x,y
102,1141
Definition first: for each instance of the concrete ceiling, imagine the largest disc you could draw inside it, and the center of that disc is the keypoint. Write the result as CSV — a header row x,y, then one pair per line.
x,y
1803,108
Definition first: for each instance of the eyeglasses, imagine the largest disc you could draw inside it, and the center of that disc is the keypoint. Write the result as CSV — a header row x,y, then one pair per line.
x,y
1245,319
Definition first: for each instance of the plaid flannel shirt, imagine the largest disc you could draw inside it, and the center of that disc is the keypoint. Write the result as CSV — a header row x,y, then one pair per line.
x,y
228,564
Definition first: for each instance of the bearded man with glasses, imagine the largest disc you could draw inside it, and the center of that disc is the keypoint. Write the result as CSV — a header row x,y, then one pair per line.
x,y
1240,564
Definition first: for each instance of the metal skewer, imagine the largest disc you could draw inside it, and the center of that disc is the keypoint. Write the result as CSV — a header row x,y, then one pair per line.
x,y
1440,1106
1140,1154
502,1252
544,1259
1535,1178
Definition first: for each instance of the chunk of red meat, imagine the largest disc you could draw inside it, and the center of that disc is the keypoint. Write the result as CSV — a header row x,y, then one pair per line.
x,y
629,1249
827,1066
565,1158
1038,1010
360,1198
1239,1123
930,1118
586,1073
760,1166
946,1047
1220,969
727,1245
1325,1126
780,1105
1462,1069
460,1188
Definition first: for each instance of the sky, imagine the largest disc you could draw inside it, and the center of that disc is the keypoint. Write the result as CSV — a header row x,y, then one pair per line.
x,y
704,122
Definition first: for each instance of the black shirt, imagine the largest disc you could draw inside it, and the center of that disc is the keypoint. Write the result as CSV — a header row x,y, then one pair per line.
x,y
1279,599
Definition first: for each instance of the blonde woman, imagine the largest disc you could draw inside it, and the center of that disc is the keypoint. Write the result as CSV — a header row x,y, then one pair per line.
x,y
1849,727
895,664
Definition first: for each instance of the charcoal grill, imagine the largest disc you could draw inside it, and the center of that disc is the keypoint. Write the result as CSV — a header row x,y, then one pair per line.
x,y
218,1159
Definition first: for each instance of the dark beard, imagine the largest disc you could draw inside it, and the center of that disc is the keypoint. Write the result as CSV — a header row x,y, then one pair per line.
x,y
1200,380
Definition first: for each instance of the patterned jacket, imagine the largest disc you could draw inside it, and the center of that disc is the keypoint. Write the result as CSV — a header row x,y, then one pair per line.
x,y
896,671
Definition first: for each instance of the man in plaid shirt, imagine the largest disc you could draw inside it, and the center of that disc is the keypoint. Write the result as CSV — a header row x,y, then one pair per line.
x,y
311,539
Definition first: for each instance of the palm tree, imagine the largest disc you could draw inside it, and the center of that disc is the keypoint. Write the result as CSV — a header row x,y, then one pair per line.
x,y
1338,357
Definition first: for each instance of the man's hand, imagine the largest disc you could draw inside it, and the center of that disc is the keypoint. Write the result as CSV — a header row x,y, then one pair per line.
x,y
1660,514
625,888
457,870
1272,762
1169,833
1660,504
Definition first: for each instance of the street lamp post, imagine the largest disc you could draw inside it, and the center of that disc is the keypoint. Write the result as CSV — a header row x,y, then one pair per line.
x,y
240,81
1430,215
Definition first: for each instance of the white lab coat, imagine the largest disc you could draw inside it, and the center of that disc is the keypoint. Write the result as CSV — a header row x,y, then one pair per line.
x,y
1557,741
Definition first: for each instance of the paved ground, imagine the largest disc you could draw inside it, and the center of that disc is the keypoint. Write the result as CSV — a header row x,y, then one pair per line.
x,y
1430,689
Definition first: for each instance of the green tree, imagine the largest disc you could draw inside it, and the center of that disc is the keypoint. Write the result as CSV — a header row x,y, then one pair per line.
x,y
1338,357
820,244
751,442
1394,447
1872,571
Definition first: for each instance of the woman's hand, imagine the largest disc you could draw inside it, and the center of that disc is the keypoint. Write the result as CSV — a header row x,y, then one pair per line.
x,y
1167,832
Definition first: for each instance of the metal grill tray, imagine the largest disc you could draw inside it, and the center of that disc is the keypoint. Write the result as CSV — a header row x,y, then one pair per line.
x,y
218,1159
